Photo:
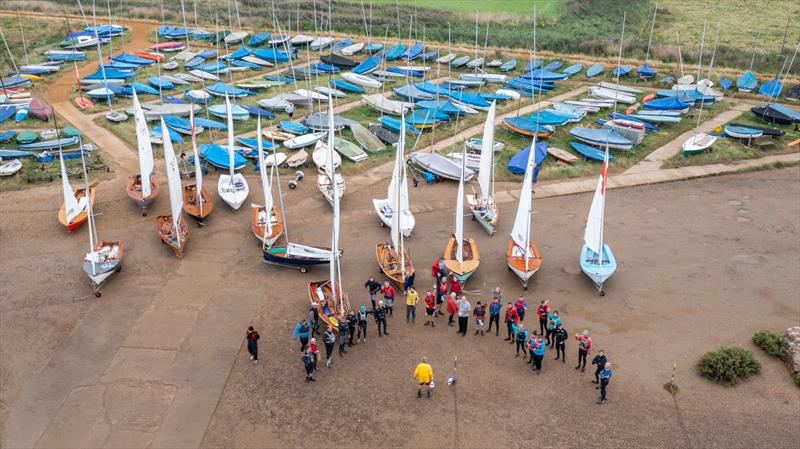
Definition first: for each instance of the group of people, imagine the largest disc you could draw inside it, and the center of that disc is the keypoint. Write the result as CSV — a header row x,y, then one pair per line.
x,y
447,292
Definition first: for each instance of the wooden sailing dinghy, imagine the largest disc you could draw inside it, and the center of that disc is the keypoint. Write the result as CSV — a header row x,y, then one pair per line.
x,y
461,255
142,193
522,256
172,228
394,258
266,221
197,203
482,205
74,209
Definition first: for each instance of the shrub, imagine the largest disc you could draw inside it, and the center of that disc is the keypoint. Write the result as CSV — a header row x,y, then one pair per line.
x,y
796,377
769,341
728,365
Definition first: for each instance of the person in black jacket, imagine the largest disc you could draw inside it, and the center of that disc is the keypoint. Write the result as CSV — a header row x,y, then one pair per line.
x,y
361,317
313,317
600,361
351,326
343,331
329,338
374,288
560,336
252,343
380,317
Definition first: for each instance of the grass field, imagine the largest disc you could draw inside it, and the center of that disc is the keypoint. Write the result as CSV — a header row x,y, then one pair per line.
x,y
549,8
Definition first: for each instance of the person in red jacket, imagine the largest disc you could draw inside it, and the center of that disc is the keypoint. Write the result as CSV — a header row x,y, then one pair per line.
x,y
542,311
584,349
441,294
455,285
388,297
430,308
452,308
511,319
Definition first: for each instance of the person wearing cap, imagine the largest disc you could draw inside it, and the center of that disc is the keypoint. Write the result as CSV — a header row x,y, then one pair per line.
x,y
464,307
430,309
374,287
423,374
361,317
495,307
584,349
560,336
599,361
605,377
329,339
511,319
412,299
380,317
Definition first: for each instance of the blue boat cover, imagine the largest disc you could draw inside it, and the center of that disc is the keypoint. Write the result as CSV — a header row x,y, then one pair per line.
x,y
725,83
544,75
414,73
140,89
620,71
366,65
470,99
553,66
160,82
253,143
258,112
213,67
347,87
532,65
194,63
573,69
519,162
427,86
509,65
590,152
210,124
271,54
7,112
440,105
747,81
645,71
132,59
174,136
258,39
411,92
527,125
222,89
292,127
413,51
771,88
392,53
341,45
177,122
109,75
429,56
218,156
600,137
240,53
245,64
666,104
595,70
327,68
205,54
393,124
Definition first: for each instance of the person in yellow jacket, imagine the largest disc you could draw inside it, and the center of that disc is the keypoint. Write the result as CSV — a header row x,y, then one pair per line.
x,y
412,298
424,375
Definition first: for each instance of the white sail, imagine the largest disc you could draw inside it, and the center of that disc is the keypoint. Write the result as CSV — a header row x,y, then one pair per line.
x,y
487,154
198,169
144,145
394,192
404,206
521,232
174,183
72,206
266,184
593,236
460,211
229,115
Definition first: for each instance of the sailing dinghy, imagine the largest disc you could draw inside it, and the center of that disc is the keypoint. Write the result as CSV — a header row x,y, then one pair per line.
x,y
142,193
598,267
266,221
232,187
197,202
397,195
461,255
74,209
522,256
172,228
482,205
394,258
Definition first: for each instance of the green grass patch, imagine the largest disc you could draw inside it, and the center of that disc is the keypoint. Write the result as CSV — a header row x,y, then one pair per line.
x,y
551,8
728,365
769,341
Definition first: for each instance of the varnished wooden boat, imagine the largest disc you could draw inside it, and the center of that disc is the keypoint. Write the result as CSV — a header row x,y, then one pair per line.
x,y
389,263
471,257
83,216
515,257
135,191
258,220
192,207
167,233
563,156
330,313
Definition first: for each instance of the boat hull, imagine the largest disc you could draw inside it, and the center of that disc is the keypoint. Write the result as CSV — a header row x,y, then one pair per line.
x,y
135,191
257,224
177,243
390,264
100,272
598,271
233,190
515,258
330,313
484,212
471,258
384,211
83,216
326,187
192,206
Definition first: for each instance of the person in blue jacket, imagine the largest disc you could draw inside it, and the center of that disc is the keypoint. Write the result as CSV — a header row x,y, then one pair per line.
x,y
521,338
605,377
536,346
302,330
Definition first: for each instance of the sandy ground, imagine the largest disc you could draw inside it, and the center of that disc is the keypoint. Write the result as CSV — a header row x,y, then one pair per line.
x,y
702,263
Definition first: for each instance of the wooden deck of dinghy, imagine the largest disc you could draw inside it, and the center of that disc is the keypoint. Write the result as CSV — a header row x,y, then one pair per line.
x,y
471,256
258,227
83,216
135,191
516,260
167,233
390,265
192,207
319,293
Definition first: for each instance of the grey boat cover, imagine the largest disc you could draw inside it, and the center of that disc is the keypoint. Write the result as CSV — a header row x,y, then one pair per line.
x,y
440,165
318,121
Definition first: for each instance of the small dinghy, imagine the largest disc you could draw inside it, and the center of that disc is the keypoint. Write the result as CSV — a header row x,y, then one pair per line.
x,y
10,168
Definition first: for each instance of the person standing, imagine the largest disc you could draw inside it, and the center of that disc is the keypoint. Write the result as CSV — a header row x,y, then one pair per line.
x,y
452,308
605,377
380,318
455,285
408,282
362,323
412,299
511,320
329,339
388,297
494,314
312,346
520,338
542,311
343,331
374,287
552,321
441,294
537,354
430,309
302,330
252,338
352,322
423,374
560,337
522,306
313,318
307,357
584,349
464,307
599,361
480,317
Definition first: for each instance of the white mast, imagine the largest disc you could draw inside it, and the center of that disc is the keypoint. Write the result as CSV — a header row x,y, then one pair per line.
x,y
72,206
331,173
144,145
521,231
198,169
229,115
650,39
174,183
89,213
266,183
460,212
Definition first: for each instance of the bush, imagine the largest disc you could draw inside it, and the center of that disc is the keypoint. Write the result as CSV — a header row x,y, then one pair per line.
x,y
797,379
728,365
769,341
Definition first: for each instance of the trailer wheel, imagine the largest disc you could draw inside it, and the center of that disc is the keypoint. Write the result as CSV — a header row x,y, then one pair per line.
x,y
303,270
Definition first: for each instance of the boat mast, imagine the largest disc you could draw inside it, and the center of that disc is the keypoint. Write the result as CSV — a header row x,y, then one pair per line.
x,y
265,186
198,169
680,54
460,212
100,58
229,114
185,28
650,39
755,46
89,212
108,6
702,95
700,58
22,33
